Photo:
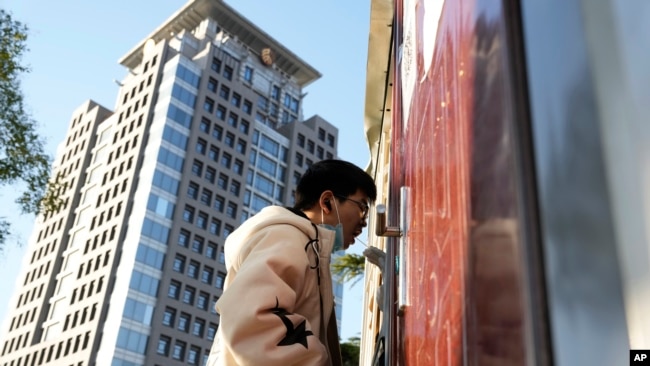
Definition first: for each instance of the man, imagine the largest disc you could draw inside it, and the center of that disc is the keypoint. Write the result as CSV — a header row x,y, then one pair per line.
x,y
277,307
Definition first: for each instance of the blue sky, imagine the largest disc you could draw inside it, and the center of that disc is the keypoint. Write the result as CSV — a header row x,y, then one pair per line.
x,y
74,47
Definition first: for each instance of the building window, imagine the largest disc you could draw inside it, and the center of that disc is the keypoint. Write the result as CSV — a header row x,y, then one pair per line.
x,y
215,227
211,250
235,100
231,211
206,197
320,152
210,174
217,132
219,201
235,187
279,193
224,92
206,275
259,117
232,120
221,277
192,190
163,346
168,317
197,168
275,92
197,244
214,153
179,351
321,134
179,264
262,103
230,139
221,112
184,238
184,322
299,159
188,214
243,127
212,85
227,230
248,107
222,182
188,295
198,327
213,307
248,73
222,257
193,269
330,140
252,157
270,146
274,111
238,167
310,146
216,65
227,72
183,95
226,160
202,301
241,146
208,105
204,126
202,220
294,105
174,290
212,331
301,140
200,146
193,355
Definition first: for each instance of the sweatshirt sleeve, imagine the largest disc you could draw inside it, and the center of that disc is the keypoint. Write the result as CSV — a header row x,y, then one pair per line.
x,y
258,319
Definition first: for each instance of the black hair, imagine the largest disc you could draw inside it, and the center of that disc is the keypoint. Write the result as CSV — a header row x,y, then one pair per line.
x,y
339,176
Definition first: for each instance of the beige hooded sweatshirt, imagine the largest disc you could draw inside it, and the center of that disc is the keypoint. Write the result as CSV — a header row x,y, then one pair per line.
x,y
277,307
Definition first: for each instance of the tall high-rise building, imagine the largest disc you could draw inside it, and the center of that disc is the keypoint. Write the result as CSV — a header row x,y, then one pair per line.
x,y
207,130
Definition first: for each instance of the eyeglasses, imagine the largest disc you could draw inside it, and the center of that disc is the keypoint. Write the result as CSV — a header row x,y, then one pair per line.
x,y
362,206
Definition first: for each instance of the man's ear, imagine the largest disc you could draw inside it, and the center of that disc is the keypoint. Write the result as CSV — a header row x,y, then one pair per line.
x,y
325,199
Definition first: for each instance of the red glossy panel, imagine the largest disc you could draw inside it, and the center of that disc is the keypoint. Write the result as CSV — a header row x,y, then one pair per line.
x,y
456,155
436,165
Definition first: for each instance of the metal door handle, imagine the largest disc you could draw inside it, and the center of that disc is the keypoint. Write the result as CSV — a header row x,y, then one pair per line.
x,y
381,229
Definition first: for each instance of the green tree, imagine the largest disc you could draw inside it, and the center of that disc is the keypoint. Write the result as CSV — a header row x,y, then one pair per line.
x,y
350,351
22,156
349,267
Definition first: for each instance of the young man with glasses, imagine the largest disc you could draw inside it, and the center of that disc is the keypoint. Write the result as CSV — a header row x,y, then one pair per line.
x,y
277,307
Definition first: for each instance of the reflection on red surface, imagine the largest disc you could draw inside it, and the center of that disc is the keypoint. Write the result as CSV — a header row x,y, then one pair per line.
x,y
462,261
436,152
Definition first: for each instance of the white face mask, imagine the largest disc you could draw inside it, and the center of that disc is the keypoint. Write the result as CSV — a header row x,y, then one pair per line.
x,y
338,229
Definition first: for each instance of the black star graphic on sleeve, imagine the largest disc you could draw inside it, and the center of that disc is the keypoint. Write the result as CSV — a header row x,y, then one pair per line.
x,y
294,334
